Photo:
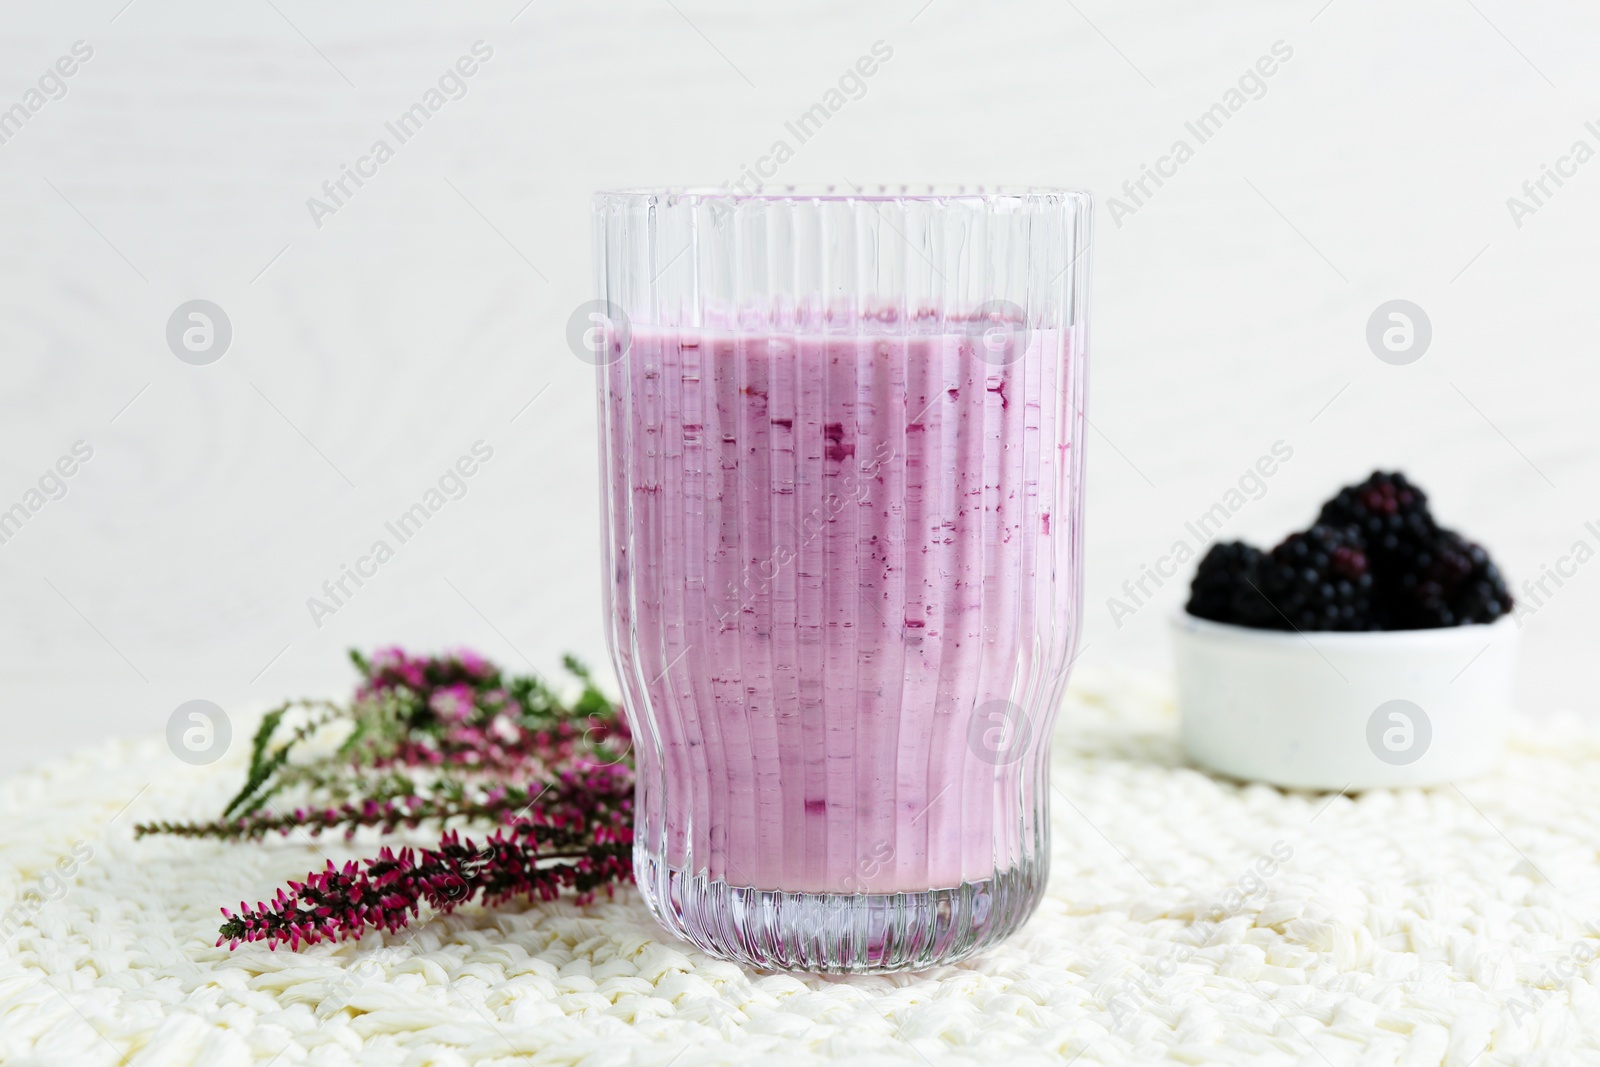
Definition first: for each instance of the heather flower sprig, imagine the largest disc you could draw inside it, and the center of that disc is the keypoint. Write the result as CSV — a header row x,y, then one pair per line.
x,y
453,712
387,892
449,741
578,793
582,840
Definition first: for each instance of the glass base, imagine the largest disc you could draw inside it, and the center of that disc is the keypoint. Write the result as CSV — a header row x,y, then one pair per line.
x,y
840,933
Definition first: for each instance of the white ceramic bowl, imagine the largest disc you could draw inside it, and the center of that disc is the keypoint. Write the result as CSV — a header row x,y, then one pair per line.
x,y
1345,710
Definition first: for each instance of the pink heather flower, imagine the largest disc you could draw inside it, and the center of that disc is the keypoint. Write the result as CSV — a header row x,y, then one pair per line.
x,y
386,659
453,703
392,667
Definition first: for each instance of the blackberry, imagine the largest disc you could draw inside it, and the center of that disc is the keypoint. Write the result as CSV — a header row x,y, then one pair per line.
x,y
1320,580
1425,575
1227,584
1387,509
1448,581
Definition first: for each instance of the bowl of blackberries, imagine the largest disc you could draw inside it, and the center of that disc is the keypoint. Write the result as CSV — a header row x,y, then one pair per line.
x,y
1374,649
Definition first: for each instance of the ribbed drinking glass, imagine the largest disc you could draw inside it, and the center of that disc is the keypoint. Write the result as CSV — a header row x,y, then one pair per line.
x,y
842,459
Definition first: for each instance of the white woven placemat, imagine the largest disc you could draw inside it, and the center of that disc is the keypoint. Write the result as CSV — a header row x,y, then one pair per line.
x,y
1188,919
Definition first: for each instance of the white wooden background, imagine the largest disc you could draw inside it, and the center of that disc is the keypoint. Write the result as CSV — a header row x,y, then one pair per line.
x,y
369,353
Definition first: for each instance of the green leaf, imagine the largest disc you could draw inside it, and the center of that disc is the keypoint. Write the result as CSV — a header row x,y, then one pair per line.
x,y
576,667
259,766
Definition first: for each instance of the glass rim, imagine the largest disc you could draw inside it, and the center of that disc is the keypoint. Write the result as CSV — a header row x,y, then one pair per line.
x,y
836,193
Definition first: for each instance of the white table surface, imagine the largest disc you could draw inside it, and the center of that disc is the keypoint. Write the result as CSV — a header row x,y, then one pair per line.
x,y
1187,920
1229,310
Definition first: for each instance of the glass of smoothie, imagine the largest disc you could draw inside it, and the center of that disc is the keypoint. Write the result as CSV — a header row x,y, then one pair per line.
x,y
842,461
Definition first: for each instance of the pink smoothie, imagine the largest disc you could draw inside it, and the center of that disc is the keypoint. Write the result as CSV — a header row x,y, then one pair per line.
x,y
830,554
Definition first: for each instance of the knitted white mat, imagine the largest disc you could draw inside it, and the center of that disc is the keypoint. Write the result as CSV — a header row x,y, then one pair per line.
x,y
1449,926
